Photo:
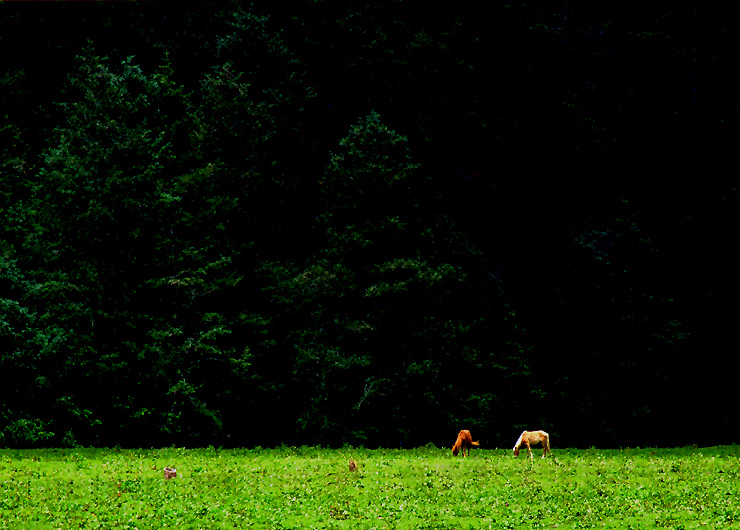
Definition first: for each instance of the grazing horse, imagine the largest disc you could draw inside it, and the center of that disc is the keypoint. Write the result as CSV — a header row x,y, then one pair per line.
x,y
533,438
463,440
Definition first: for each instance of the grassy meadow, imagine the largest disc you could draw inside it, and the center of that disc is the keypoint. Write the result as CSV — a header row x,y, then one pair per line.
x,y
424,488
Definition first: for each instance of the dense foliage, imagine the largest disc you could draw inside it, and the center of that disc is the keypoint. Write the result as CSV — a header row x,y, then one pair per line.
x,y
425,488
341,222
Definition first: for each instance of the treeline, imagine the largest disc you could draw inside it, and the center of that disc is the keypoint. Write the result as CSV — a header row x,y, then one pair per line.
x,y
343,222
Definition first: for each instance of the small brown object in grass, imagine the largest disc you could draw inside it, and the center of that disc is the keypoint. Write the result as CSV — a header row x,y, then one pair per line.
x,y
170,472
352,465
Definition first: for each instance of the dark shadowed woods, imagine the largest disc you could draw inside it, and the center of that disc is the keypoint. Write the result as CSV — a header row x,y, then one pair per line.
x,y
345,223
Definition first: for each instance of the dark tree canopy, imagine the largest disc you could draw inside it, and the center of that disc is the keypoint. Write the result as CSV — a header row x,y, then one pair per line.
x,y
326,217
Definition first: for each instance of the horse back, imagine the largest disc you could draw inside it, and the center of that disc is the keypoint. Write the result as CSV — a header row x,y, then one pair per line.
x,y
535,437
464,439
465,436
544,437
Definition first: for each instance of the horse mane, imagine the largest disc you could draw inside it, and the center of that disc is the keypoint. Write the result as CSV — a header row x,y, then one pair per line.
x,y
458,443
519,441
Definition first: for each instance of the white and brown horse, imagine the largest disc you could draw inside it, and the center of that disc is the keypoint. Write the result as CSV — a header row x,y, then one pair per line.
x,y
464,440
528,438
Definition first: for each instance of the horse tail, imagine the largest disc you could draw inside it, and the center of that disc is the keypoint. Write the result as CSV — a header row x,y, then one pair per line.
x,y
474,443
546,441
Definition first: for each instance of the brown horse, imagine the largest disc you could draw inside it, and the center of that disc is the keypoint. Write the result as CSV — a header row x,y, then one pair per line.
x,y
463,440
528,438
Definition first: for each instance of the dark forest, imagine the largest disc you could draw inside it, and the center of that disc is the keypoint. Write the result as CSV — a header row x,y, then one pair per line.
x,y
367,223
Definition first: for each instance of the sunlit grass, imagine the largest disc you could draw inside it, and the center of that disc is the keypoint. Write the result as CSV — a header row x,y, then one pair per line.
x,y
309,487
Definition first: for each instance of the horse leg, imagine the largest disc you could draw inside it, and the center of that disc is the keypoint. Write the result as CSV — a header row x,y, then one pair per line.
x,y
529,450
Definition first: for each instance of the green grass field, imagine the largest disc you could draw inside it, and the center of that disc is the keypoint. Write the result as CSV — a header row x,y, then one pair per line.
x,y
308,487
